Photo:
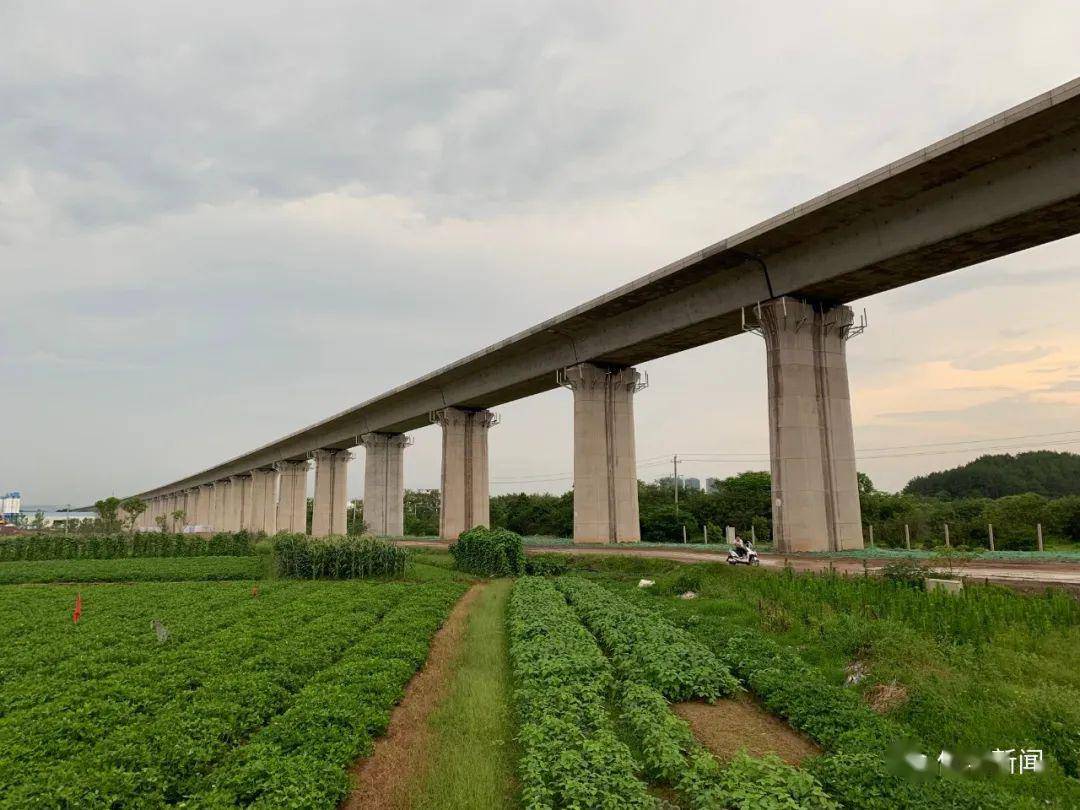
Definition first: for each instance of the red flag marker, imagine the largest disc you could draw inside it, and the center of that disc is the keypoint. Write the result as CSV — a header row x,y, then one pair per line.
x,y
78,609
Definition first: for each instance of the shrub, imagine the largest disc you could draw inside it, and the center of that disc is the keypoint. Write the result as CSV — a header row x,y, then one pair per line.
x,y
550,565
905,571
114,546
489,552
302,557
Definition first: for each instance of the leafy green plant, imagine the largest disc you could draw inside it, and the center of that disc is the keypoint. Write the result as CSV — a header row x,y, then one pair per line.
x,y
571,755
489,552
550,565
112,546
257,699
302,557
905,571
646,647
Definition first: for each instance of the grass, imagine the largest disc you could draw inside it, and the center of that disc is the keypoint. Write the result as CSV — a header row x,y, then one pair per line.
x,y
990,669
132,569
473,754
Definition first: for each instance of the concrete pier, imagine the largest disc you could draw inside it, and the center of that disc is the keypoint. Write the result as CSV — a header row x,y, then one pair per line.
x,y
815,487
331,503
466,497
292,497
203,503
605,458
384,483
217,505
263,517
190,498
234,503
246,502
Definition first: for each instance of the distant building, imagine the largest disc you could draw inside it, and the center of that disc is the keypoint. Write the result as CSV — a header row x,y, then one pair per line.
x,y
684,482
711,484
11,506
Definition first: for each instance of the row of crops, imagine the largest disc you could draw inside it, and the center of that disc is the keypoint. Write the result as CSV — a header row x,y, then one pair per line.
x,y
203,694
588,665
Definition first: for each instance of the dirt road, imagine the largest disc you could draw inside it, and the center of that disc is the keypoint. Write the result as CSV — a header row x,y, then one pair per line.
x,y
1020,574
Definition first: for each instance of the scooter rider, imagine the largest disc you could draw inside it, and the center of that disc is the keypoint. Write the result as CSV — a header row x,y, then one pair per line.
x,y
740,546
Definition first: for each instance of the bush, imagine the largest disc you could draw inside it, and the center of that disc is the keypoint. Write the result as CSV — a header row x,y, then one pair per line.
x,y
489,552
115,546
905,571
547,565
301,557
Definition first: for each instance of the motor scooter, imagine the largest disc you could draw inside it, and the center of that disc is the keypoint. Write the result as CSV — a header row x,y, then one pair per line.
x,y
748,557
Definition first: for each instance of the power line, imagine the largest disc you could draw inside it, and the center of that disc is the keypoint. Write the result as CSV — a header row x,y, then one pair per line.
x,y
931,449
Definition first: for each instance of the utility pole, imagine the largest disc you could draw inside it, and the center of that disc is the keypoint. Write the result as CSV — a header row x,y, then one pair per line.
x,y
675,462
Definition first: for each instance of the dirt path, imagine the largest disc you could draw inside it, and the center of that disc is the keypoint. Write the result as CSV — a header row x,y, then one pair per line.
x,y
1021,574
382,780
728,725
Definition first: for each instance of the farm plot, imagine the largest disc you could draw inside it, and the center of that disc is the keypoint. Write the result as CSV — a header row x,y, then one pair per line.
x,y
965,674
597,731
200,693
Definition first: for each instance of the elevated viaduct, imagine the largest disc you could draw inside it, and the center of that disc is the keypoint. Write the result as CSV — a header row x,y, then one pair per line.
x,y
1005,184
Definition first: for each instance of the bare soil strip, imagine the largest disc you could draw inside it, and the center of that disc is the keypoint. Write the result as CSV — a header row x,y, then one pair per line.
x,y
728,725
381,781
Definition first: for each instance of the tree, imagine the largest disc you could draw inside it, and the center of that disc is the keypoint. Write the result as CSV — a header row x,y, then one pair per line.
x,y
162,522
39,520
106,509
178,516
133,507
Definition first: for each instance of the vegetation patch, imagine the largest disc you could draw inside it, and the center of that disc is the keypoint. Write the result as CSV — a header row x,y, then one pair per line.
x,y
571,754
489,552
113,546
302,557
249,697
382,780
645,647
131,570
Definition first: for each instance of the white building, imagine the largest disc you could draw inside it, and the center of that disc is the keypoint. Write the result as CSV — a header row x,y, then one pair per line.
x,y
12,505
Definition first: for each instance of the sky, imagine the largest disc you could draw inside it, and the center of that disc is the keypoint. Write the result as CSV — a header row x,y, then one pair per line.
x,y
222,222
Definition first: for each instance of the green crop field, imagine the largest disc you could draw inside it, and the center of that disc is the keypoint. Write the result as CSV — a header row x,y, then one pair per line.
x,y
261,679
251,699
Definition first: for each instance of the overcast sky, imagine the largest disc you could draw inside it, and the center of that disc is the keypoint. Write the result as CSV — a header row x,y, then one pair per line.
x,y
222,222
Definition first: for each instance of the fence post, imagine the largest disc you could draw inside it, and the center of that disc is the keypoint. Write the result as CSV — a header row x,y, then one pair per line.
x,y
753,535
907,537
1038,534
684,534
990,531
947,543
871,535
705,531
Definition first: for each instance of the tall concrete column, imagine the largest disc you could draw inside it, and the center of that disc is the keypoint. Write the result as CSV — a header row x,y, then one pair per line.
x,y
234,503
217,515
202,505
292,497
465,499
331,503
384,483
246,505
262,517
605,456
190,496
815,488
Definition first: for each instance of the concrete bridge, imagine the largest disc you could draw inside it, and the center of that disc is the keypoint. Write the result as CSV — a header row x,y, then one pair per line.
x,y
1008,183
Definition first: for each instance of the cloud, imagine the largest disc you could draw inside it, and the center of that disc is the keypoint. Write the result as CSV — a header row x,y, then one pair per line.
x,y
219,223
1002,357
